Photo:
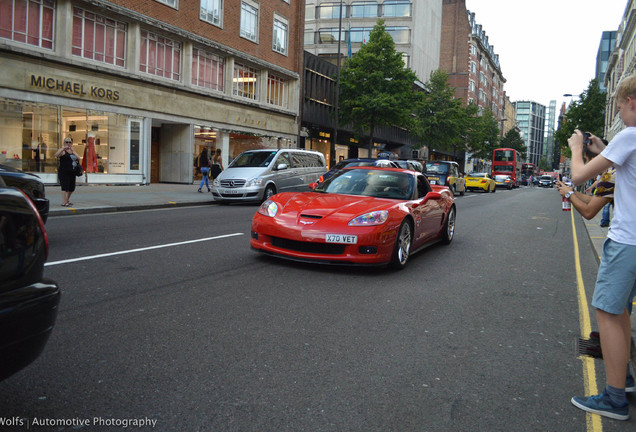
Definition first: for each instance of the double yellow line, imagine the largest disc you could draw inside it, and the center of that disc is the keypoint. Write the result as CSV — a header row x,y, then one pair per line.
x,y
593,421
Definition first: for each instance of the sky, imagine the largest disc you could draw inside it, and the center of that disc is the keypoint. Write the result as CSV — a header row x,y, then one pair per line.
x,y
546,48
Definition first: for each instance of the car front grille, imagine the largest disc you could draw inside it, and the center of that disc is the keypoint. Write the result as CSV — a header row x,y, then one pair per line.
x,y
300,246
233,183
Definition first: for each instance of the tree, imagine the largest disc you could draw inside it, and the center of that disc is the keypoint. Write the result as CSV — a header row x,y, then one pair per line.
x,y
376,89
441,120
513,140
587,114
483,135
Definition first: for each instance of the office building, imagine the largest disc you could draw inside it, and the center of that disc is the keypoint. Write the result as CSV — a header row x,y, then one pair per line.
x,y
531,119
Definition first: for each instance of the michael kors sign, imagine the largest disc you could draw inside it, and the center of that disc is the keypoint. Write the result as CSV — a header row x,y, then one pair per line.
x,y
74,88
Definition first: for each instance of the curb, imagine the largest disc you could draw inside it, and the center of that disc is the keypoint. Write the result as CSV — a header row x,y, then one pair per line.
x,y
71,211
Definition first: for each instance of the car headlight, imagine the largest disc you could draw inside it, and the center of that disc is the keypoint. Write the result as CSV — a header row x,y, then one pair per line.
x,y
268,208
257,181
372,218
216,182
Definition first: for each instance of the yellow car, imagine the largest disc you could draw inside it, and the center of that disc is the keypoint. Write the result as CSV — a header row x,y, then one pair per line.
x,y
480,181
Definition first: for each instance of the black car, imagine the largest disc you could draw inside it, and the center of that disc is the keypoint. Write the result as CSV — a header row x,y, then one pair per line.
x,y
29,184
346,163
28,303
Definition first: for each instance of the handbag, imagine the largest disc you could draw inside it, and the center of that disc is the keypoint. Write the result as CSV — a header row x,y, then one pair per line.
x,y
77,169
215,171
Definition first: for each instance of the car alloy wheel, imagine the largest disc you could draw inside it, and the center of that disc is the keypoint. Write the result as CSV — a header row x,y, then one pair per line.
x,y
449,227
402,245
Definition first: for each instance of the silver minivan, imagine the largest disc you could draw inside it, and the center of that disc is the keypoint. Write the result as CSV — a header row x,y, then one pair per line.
x,y
256,175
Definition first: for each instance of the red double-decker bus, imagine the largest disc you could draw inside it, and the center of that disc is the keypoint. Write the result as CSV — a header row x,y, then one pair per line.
x,y
528,171
507,161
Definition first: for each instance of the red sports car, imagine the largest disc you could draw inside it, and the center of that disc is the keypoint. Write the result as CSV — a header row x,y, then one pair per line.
x,y
361,215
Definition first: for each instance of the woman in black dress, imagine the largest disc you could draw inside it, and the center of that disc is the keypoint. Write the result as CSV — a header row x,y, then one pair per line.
x,y
68,157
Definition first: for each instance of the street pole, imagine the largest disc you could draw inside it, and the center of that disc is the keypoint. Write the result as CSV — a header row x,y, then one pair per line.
x,y
332,149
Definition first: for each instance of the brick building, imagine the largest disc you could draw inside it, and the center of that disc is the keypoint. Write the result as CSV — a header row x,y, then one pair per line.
x,y
141,86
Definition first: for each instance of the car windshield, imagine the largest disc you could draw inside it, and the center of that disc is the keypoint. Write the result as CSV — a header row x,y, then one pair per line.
x,y
546,178
501,177
253,159
477,175
373,183
436,168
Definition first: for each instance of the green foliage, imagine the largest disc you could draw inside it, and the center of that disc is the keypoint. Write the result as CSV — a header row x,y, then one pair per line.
x,y
513,140
586,114
483,137
376,89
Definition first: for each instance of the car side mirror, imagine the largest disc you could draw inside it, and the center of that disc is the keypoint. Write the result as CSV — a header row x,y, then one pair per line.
x,y
281,167
433,195
313,186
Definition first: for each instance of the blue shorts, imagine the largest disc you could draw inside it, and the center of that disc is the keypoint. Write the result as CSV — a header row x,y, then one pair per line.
x,y
616,280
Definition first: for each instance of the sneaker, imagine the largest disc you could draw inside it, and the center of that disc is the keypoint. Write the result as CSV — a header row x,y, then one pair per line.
x,y
601,405
630,386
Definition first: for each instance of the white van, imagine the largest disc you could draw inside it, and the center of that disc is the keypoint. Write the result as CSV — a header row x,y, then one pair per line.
x,y
256,175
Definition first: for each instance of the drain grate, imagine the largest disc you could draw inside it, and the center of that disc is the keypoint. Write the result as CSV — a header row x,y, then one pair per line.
x,y
590,347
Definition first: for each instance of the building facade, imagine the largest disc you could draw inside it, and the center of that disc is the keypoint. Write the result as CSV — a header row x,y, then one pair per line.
x,y
470,60
142,86
550,152
531,119
414,25
621,64
605,49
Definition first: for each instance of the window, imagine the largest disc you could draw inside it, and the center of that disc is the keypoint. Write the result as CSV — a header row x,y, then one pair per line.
x,y
279,37
330,10
171,3
211,11
249,21
99,38
207,70
399,34
160,56
330,35
277,91
396,8
245,82
360,34
364,9
28,21
309,38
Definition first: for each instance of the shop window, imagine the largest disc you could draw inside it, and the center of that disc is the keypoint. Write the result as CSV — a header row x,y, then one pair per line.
x,y
160,56
211,11
276,91
99,38
280,35
207,70
245,82
28,21
249,20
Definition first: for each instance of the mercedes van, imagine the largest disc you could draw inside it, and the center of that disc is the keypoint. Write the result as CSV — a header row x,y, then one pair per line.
x,y
256,175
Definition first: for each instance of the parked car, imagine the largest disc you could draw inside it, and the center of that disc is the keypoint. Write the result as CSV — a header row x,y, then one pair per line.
x,y
362,215
28,303
446,173
409,164
30,184
346,163
256,175
480,181
546,181
503,181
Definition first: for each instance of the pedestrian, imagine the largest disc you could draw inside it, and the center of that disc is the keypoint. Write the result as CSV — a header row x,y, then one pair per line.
x,y
217,164
616,281
203,163
66,170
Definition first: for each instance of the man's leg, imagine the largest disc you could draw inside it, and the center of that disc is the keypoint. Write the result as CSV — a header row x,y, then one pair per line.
x,y
615,333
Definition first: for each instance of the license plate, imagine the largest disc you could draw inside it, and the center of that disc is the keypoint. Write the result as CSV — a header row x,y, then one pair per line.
x,y
341,238
433,182
230,191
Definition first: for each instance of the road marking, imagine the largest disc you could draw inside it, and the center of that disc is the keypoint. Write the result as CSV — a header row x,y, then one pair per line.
x,y
72,260
593,421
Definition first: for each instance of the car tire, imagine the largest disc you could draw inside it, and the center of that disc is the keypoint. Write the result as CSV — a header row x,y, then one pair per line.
x,y
449,227
402,247
494,189
270,191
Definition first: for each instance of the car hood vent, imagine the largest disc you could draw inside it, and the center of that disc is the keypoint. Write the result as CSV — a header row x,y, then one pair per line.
x,y
308,216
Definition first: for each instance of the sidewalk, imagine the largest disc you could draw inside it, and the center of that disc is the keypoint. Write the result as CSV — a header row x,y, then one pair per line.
x,y
107,199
